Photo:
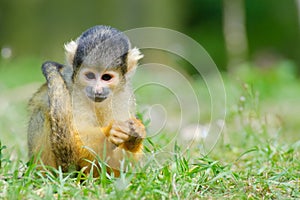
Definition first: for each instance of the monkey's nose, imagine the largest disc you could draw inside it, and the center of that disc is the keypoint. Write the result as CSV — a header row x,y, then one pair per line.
x,y
98,93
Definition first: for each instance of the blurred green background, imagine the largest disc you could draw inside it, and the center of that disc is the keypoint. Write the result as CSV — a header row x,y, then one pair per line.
x,y
251,41
40,27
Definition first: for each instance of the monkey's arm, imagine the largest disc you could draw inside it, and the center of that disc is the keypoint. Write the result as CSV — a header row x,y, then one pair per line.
x,y
62,136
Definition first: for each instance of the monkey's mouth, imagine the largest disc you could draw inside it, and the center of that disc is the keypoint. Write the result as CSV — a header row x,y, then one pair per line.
x,y
98,98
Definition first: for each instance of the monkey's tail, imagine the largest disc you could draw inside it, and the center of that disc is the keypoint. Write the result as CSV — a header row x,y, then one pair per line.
x,y
62,133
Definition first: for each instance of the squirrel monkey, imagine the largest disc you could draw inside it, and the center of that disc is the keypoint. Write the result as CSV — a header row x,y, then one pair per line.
x,y
86,109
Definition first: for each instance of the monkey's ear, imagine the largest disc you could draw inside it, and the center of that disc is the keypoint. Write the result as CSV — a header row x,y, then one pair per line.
x,y
133,56
70,50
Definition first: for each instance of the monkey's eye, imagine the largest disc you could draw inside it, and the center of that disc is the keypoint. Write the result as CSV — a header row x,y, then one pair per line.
x,y
106,77
90,75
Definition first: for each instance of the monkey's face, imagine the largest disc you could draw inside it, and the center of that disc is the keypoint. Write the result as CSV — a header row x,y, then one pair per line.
x,y
98,84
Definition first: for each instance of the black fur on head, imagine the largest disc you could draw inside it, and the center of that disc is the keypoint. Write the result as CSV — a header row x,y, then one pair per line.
x,y
102,46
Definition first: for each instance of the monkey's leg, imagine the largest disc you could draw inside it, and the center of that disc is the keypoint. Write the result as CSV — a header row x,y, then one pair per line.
x,y
62,136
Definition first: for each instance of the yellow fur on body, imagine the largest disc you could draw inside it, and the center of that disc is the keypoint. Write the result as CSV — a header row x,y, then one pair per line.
x,y
89,138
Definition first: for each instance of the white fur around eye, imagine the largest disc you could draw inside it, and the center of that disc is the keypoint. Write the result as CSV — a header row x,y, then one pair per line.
x,y
114,76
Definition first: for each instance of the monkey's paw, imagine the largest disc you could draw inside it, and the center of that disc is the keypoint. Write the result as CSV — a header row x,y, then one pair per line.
x,y
128,135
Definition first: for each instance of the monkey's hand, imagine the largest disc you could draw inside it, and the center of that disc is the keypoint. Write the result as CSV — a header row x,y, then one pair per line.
x,y
127,135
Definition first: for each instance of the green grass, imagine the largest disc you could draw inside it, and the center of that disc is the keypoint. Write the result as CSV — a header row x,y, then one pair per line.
x,y
257,157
